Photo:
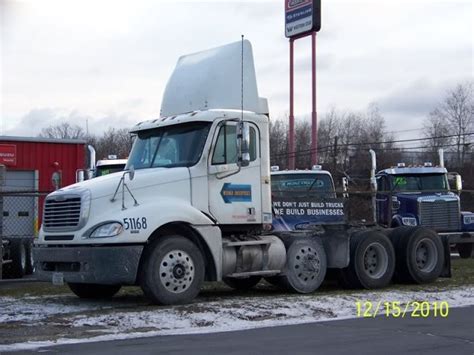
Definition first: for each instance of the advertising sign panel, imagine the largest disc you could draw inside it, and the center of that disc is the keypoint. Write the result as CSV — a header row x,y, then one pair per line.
x,y
8,154
302,16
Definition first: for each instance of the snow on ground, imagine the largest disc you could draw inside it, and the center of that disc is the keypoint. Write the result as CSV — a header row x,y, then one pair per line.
x,y
103,321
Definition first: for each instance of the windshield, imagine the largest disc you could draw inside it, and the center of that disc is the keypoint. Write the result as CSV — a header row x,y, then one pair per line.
x,y
170,146
423,182
302,182
108,169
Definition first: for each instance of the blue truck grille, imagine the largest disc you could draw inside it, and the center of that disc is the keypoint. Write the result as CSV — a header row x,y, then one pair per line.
x,y
440,214
64,213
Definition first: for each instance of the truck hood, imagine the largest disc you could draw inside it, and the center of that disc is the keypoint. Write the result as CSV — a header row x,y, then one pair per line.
x,y
415,196
106,185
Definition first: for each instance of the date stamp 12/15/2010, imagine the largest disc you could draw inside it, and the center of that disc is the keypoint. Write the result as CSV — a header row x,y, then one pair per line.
x,y
398,309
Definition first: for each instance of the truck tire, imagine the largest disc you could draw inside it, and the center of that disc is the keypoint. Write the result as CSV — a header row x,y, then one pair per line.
x,y
29,257
172,270
243,284
306,265
17,267
94,291
372,261
420,256
464,250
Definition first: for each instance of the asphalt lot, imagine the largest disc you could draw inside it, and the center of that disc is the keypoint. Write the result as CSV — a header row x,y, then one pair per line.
x,y
380,335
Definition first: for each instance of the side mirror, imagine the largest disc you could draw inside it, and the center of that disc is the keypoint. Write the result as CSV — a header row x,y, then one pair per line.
x,y
243,143
458,183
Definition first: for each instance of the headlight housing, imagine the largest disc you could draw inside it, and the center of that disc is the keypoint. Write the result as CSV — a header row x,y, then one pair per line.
x,y
106,230
409,221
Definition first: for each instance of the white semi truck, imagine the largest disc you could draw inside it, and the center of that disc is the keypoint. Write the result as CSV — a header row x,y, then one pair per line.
x,y
194,204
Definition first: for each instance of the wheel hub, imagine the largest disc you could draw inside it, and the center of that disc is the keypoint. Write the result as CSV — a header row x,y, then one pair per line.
x,y
426,255
307,264
375,260
179,271
176,271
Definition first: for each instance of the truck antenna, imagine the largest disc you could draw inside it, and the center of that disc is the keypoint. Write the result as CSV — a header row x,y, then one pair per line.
x,y
242,80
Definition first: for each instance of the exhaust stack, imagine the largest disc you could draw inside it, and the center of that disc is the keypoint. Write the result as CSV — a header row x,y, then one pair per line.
x,y
441,157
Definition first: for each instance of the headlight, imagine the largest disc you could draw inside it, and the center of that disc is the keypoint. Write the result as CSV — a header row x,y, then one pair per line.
x,y
409,221
107,230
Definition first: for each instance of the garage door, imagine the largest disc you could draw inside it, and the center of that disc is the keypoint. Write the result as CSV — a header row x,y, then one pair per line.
x,y
19,210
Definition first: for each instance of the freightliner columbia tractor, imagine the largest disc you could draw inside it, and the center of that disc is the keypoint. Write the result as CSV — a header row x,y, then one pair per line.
x,y
194,205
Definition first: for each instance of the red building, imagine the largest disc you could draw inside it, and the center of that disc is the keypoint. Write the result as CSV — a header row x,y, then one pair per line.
x,y
35,165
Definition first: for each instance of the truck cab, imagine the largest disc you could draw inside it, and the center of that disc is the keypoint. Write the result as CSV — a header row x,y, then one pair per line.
x,y
419,195
109,166
304,199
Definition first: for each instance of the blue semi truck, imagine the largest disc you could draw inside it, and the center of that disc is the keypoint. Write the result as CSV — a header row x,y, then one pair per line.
x,y
421,196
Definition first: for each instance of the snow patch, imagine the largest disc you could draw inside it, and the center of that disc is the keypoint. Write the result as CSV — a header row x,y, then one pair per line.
x,y
203,317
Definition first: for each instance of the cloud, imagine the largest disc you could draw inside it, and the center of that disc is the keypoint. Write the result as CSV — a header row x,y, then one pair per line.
x,y
33,122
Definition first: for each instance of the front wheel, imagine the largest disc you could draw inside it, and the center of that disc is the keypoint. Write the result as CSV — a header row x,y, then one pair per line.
x,y
172,270
94,291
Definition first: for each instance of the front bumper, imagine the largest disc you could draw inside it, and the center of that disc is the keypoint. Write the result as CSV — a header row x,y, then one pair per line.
x,y
107,265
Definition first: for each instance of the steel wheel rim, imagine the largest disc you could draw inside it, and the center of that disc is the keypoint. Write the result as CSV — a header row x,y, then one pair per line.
x,y
375,260
426,255
177,271
307,264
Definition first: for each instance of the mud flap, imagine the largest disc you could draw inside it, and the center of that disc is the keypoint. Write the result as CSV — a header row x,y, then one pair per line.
x,y
446,272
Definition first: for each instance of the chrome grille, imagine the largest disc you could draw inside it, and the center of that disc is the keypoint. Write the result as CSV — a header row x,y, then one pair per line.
x,y
440,214
62,213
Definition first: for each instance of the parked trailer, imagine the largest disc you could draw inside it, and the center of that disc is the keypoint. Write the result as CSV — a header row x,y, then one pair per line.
x,y
194,202
30,167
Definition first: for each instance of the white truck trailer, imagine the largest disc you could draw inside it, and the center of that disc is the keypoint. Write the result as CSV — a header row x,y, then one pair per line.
x,y
194,203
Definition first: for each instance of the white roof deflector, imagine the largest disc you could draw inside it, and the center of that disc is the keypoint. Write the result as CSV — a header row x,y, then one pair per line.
x,y
212,80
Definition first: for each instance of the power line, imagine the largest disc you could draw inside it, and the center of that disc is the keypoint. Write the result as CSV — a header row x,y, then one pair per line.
x,y
322,149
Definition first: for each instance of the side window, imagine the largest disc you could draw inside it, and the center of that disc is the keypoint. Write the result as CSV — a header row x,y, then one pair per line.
x,y
225,151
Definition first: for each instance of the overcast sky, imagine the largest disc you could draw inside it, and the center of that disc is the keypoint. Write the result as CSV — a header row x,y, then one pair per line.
x,y
107,62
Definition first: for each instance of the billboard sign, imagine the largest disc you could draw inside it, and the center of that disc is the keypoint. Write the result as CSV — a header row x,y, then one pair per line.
x,y
8,154
302,16
303,213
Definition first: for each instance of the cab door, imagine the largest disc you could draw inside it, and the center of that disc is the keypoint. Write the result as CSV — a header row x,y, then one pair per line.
x,y
234,192
383,201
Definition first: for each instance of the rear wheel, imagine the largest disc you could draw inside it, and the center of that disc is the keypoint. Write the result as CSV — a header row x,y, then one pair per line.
x,y
306,265
93,291
29,267
372,261
17,267
420,256
242,284
172,270
464,250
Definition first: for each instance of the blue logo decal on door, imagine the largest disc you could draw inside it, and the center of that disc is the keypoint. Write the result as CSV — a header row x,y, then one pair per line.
x,y
236,193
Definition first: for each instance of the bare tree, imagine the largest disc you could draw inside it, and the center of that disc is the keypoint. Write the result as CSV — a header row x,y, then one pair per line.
x,y
63,130
113,142
279,143
453,116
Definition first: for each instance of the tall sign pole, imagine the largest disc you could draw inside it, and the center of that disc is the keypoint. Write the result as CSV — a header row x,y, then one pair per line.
x,y
314,115
291,133
302,18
